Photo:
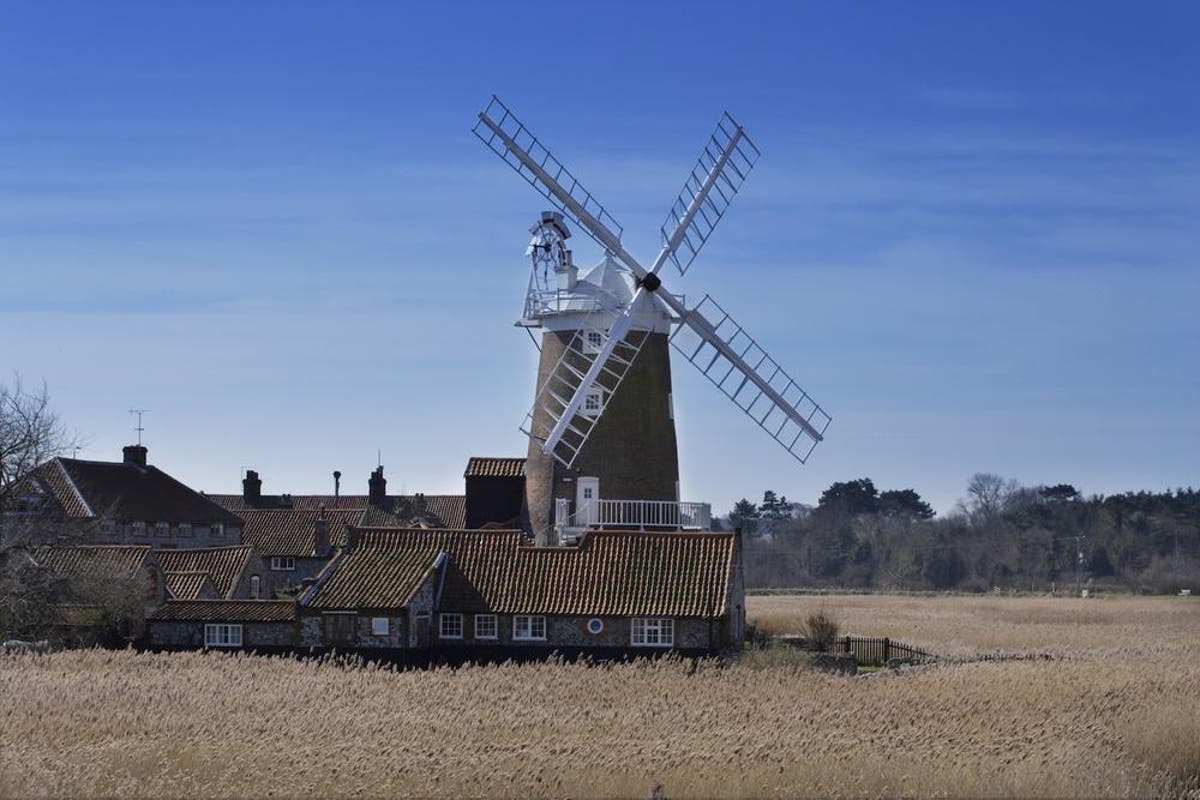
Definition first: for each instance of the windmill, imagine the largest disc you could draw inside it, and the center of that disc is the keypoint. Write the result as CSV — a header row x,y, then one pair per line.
x,y
602,414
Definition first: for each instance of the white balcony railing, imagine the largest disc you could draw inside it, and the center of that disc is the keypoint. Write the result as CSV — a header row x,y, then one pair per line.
x,y
633,514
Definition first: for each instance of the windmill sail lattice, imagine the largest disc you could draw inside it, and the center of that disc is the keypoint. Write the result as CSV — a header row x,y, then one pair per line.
x,y
569,378
784,410
723,352
728,158
507,136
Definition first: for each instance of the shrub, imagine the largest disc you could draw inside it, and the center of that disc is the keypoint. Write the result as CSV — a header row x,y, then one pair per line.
x,y
821,631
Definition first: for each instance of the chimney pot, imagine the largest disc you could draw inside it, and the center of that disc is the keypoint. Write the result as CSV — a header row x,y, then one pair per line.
x,y
377,488
321,535
134,454
251,486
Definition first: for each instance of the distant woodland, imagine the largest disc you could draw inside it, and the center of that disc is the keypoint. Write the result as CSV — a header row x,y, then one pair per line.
x,y
1002,536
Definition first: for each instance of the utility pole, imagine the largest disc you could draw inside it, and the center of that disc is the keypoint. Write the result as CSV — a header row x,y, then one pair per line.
x,y
1078,561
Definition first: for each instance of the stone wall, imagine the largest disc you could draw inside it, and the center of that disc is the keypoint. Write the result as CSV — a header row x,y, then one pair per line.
x,y
571,631
191,634
176,537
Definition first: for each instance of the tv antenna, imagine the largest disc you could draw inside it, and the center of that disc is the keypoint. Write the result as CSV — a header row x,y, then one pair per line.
x,y
139,428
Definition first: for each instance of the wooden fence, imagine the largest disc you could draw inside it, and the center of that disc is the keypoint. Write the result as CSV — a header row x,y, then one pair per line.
x,y
878,652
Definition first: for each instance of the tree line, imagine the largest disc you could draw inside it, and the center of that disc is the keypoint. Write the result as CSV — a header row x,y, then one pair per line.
x,y
1000,536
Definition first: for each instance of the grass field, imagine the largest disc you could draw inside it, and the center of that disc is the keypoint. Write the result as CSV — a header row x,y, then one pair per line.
x,y
1107,708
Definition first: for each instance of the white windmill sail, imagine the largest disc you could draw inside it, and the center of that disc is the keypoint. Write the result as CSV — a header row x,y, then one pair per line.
x,y
774,401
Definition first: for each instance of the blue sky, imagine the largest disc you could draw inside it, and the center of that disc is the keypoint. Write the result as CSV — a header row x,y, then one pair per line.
x,y
972,234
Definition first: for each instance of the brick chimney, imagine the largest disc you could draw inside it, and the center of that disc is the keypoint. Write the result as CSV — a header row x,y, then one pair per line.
x,y
377,488
251,487
134,454
321,534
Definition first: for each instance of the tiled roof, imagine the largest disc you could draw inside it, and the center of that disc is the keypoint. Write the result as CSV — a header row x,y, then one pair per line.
x,y
226,611
482,467
189,585
627,572
386,566
93,560
223,564
450,509
609,573
85,489
291,531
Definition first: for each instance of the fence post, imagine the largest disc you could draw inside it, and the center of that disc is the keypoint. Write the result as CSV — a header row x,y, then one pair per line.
x,y
887,650
846,641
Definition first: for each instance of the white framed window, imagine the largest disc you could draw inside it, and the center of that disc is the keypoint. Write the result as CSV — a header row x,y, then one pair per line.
x,y
255,587
595,626
380,626
485,626
185,529
162,529
139,528
653,632
450,626
528,627
218,529
592,342
283,563
222,635
593,402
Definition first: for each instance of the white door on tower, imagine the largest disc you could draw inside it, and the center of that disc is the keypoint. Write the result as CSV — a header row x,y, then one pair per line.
x,y
587,501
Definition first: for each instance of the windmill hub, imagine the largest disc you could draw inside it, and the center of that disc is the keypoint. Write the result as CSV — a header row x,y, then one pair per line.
x,y
650,282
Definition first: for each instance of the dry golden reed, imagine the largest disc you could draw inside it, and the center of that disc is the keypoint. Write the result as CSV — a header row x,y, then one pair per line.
x,y
99,723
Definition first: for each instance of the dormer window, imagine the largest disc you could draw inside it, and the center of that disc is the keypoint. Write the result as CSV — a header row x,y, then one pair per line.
x,y
139,528
162,530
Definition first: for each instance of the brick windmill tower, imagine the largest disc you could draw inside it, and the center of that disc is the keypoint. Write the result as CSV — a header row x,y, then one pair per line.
x,y
602,448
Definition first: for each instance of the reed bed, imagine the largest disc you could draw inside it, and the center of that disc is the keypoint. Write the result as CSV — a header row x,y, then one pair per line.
x,y
96,723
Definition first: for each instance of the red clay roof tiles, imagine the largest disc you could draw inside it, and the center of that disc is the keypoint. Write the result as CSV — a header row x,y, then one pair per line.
x,y
224,564
485,467
93,560
226,611
608,573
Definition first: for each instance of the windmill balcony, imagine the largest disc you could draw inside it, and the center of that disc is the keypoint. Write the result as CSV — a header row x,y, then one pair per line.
x,y
655,515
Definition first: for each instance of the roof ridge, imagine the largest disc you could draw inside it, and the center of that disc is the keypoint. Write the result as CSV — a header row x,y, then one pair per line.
x,y
74,488
206,549
98,546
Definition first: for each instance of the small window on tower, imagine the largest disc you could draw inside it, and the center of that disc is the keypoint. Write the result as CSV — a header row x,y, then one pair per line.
x,y
592,342
593,402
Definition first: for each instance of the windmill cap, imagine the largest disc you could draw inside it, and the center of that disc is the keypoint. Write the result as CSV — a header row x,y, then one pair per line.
x,y
552,218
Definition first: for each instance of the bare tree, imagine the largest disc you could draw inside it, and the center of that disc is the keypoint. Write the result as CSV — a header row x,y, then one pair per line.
x,y
30,432
987,495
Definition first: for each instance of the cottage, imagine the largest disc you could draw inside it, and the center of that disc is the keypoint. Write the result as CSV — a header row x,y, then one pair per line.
x,y
235,572
75,501
490,594
296,543
260,625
